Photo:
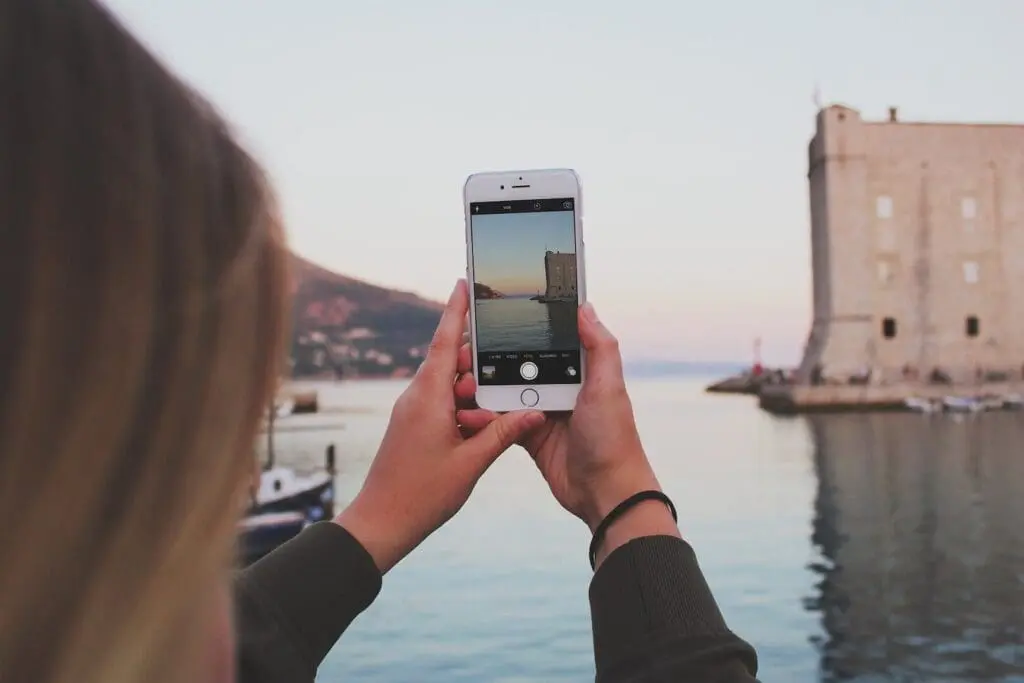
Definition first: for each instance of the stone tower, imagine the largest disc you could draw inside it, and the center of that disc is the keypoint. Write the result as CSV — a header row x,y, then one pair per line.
x,y
917,242
560,275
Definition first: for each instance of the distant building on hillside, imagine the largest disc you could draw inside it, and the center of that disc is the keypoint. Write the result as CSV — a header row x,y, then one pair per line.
x,y
559,275
917,233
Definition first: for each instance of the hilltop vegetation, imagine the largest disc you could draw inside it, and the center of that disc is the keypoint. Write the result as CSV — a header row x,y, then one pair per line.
x,y
347,327
482,291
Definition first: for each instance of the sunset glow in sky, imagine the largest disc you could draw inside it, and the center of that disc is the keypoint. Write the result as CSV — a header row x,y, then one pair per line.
x,y
687,122
508,249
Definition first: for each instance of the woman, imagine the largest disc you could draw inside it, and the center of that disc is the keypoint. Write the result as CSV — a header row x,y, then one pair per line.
x,y
143,297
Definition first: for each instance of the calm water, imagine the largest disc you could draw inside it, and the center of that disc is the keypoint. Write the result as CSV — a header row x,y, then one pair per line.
x,y
845,548
524,325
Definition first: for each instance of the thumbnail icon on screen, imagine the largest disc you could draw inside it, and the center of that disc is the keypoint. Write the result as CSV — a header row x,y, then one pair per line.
x,y
488,371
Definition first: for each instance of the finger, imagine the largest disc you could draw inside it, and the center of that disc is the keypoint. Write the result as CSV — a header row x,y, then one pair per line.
x,y
500,434
474,420
603,363
465,390
442,356
465,360
534,441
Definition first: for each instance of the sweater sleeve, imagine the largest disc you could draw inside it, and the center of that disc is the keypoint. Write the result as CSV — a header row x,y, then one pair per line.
x,y
294,604
654,619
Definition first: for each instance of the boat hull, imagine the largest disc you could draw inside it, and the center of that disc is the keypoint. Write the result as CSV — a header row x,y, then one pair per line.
x,y
260,534
315,503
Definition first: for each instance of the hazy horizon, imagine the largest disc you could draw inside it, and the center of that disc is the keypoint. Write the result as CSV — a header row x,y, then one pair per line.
x,y
688,125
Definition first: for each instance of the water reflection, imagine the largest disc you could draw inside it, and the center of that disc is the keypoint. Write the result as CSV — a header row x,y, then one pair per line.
x,y
524,325
563,323
918,522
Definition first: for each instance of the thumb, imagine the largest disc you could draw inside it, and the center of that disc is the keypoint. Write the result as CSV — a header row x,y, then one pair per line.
x,y
502,432
603,362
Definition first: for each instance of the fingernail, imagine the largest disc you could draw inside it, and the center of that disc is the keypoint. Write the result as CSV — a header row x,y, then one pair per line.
x,y
589,313
455,290
534,419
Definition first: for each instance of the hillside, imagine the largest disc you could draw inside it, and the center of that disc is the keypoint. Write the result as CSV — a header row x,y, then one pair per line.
x,y
347,327
482,291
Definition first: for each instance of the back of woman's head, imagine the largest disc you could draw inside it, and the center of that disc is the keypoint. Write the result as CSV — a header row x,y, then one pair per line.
x,y
142,303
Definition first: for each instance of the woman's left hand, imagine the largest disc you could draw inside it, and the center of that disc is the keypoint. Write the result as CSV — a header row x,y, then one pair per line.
x,y
425,469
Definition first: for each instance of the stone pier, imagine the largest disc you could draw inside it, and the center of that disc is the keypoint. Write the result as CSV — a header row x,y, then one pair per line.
x,y
793,399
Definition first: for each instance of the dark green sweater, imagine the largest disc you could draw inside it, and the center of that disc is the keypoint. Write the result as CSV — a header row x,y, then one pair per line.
x,y
654,617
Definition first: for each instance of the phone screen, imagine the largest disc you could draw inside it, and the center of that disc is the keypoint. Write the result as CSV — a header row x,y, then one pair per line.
x,y
525,291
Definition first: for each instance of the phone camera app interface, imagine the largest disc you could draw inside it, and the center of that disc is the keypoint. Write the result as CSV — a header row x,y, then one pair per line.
x,y
525,291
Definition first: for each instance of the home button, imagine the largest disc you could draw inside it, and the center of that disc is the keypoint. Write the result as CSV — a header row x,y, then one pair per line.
x,y
529,397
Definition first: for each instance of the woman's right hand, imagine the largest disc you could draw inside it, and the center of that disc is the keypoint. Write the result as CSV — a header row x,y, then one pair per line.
x,y
592,458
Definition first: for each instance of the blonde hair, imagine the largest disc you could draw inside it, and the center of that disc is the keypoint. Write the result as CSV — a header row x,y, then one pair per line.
x,y
142,310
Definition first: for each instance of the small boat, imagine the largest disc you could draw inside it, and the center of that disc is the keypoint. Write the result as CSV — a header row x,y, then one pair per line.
x,y
260,534
284,408
285,502
959,404
1013,401
282,489
922,405
992,403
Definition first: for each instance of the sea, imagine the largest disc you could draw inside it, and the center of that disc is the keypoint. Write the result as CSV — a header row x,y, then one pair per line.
x,y
517,323
864,548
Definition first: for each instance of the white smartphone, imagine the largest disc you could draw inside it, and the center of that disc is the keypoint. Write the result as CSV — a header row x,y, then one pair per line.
x,y
524,249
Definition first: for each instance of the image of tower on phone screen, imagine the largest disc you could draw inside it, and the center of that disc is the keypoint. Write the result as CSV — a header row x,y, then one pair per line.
x,y
524,265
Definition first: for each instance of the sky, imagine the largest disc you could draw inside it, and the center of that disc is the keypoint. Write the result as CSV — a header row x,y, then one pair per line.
x,y
508,249
687,122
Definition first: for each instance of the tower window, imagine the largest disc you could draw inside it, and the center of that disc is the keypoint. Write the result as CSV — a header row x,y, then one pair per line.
x,y
968,208
972,326
883,206
971,272
889,328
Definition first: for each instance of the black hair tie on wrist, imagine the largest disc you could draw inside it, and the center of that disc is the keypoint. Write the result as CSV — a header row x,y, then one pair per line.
x,y
620,510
